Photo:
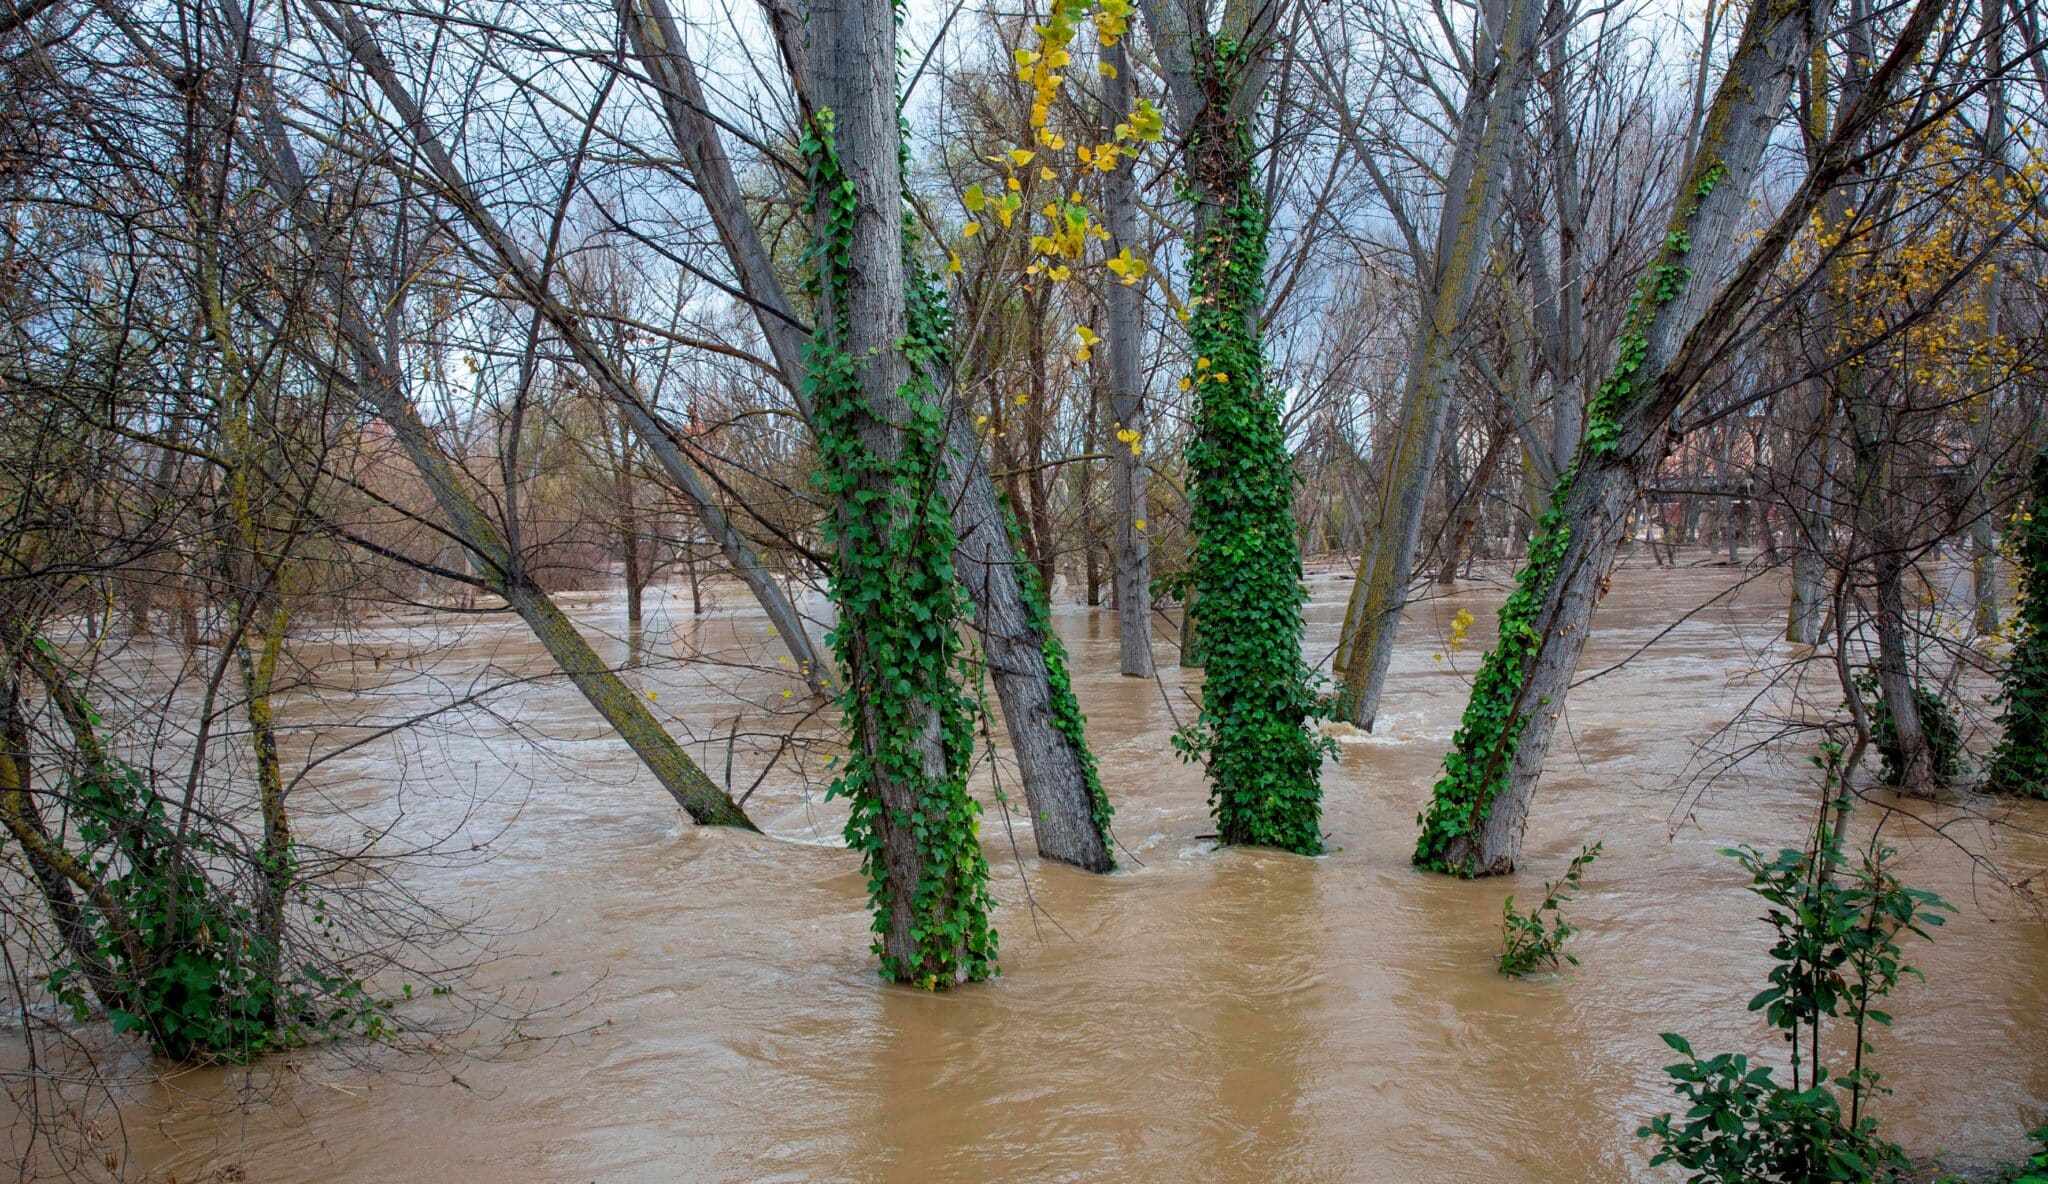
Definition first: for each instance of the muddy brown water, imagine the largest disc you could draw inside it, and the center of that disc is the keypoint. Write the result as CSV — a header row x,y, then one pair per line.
x,y
1203,1015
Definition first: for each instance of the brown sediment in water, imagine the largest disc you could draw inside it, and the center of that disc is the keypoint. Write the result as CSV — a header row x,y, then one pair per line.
x,y
1234,1015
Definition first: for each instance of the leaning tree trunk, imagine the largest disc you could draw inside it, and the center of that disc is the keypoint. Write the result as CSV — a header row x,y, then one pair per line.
x,y
1026,661
1488,128
882,443
493,561
530,285
1474,823
1125,308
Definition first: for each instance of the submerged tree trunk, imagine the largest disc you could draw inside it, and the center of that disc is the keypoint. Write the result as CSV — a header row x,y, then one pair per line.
x,y
1475,820
1263,758
882,441
1026,661
1488,130
1124,307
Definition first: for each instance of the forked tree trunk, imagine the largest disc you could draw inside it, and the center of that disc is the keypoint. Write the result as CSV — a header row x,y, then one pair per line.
x,y
1025,660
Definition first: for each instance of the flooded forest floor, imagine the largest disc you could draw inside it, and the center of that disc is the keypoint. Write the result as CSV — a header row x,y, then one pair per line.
x,y
668,1003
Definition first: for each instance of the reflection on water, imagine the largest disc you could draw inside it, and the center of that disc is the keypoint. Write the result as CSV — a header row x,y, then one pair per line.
x,y
1203,1015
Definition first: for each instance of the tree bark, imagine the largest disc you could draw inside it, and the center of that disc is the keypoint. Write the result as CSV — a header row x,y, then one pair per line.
x,y
1025,660
1125,309
882,444
1488,130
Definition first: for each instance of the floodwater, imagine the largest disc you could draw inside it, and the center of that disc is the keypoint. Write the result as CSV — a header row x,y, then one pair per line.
x,y
701,1005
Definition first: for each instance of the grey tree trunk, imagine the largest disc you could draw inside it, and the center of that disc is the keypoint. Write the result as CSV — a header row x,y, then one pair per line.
x,y
1124,307
1054,766
496,565
1808,499
1983,541
1488,130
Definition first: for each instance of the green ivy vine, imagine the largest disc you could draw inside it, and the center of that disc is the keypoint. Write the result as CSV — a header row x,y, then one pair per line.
x,y
1259,699
1477,769
899,606
2019,765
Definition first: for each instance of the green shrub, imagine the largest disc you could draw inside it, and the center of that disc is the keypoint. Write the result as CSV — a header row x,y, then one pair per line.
x,y
1527,942
1937,721
2020,763
1836,956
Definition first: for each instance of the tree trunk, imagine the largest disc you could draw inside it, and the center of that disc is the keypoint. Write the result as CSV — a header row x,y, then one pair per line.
x,y
1124,311
494,563
1026,661
1263,759
882,441
1488,130
1465,513
1475,821
532,287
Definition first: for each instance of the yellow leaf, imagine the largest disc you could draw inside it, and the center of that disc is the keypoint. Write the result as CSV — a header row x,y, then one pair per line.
x,y
1105,69
1021,156
970,230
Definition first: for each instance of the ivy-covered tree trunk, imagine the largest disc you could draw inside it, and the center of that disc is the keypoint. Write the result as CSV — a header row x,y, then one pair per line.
x,y
1474,822
1025,660
2020,763
1489,129
882,443
1255,730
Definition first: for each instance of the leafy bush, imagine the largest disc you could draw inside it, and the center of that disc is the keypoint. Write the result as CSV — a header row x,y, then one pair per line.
x,y
1528,942
1837,953
2020,763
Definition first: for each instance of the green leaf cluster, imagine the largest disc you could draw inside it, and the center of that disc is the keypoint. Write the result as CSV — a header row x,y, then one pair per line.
x,y
1527,941
1937,723
2019,765
1836,955
1478,767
